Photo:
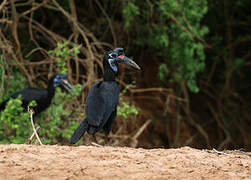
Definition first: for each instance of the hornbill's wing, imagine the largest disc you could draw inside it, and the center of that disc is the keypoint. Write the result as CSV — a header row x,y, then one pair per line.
x,y
101,101
27,95
30,94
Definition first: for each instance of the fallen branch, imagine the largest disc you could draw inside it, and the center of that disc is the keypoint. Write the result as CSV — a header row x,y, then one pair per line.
x,y
220,152
243,152
95,144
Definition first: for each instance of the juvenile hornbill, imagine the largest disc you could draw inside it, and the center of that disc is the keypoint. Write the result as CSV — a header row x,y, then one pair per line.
x,y
42,97
102,100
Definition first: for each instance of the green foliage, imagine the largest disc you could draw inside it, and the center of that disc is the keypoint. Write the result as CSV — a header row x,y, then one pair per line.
x,y
14,123
163,71
62,53
15,126
175,34
160,38
10,84
125,109
186,50
56,124
32,104
129,12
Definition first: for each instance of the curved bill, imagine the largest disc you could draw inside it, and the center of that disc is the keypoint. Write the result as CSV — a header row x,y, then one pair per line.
x,y
66,84
126,60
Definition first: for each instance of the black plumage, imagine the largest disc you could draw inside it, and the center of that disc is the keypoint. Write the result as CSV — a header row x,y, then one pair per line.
x,y
43,97
103,97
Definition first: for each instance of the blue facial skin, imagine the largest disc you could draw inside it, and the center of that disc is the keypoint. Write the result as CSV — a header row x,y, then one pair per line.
x,y
111,60
58,79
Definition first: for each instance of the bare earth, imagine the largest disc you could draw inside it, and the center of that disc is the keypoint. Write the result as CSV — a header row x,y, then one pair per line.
x,y
90,162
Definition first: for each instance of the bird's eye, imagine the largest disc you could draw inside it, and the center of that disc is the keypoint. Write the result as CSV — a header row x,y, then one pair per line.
x,y
113,55
120,52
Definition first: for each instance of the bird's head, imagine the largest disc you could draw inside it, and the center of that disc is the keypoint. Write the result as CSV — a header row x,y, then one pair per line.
x,y
62,79
118,56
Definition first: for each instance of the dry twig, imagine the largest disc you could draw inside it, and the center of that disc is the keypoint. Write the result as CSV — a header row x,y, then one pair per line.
x,y
33,126
2,4
243,152
33,135
139,132
220,152
95,144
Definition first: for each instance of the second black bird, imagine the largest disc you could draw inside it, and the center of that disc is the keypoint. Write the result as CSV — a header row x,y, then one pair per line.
x,y
43,97
103,97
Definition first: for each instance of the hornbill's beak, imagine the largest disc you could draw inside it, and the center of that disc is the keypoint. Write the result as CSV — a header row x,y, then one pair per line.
x,y
126,60
66,84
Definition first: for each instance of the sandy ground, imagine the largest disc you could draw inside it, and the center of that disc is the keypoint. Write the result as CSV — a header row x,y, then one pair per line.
x,y
90,162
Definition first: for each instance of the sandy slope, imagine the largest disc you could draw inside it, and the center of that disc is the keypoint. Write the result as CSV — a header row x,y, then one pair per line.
x,y
89,162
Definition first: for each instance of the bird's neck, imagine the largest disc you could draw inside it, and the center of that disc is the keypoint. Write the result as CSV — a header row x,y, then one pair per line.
x,y
109,74
51,89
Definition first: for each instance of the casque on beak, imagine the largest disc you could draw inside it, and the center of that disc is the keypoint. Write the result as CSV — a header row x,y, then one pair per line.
x,y
126,60
66,84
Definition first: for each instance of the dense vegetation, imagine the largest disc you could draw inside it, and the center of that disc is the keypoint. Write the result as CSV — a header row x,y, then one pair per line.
x,y
193,88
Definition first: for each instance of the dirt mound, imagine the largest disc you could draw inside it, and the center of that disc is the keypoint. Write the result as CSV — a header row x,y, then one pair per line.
x,y
89,162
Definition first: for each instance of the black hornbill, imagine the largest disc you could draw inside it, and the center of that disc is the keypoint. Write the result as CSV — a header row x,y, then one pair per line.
x,y
42,97
102,100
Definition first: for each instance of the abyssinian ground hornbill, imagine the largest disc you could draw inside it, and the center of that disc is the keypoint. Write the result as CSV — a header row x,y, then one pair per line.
x,y
42,97
102,100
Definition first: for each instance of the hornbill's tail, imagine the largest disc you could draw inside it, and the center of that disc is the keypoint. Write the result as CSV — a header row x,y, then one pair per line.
x,y
79,132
